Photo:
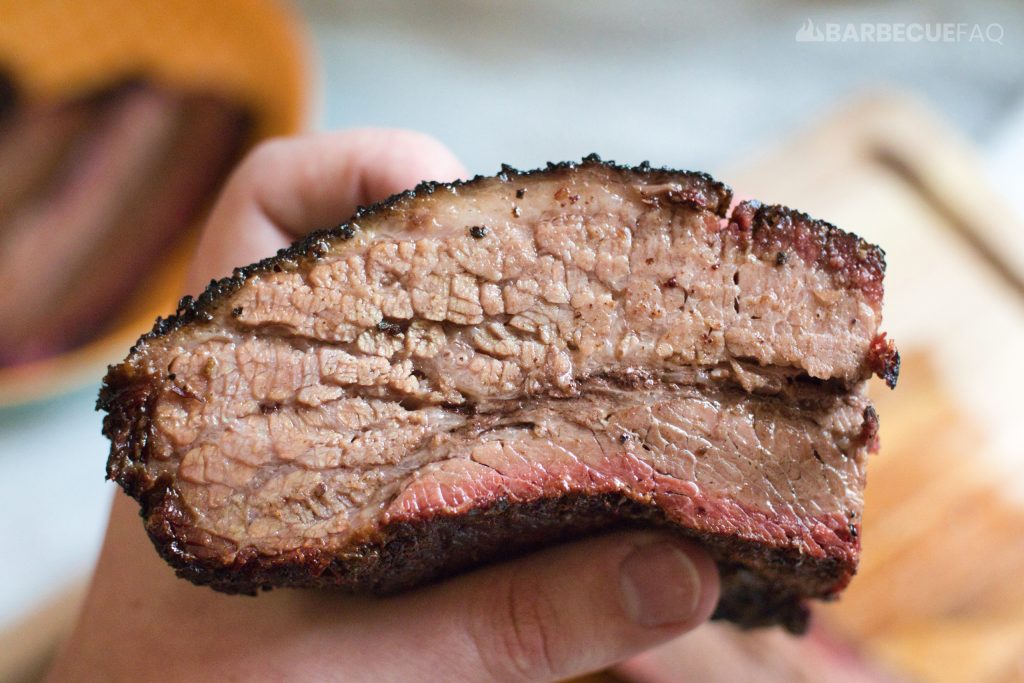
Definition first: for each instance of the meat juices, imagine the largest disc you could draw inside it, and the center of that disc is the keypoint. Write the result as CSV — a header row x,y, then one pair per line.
x,y
469,371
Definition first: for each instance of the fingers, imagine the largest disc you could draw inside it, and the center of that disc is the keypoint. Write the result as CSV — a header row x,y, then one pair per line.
x,y
563,612
288,187
317,181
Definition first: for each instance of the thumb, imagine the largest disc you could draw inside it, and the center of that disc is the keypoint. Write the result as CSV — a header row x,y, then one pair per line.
x,y
563,612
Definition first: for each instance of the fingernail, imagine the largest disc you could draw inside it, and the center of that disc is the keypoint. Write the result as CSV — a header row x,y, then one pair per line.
x,y
660,585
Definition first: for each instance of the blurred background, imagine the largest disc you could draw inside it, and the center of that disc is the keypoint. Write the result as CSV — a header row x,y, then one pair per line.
x,y
900,121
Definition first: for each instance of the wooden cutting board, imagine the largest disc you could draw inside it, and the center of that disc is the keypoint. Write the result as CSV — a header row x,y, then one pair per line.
x,y
940,595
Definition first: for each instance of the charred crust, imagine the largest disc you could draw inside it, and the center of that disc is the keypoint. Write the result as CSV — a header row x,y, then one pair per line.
x,y
884,360
478,232
762,585
129,407
869,430
752,602
892,372
778,233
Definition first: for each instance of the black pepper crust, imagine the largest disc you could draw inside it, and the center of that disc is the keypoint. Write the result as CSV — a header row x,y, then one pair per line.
x,y
776,232
761,585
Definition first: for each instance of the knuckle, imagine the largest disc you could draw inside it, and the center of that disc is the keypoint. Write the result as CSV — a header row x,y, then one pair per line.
x,y
517,630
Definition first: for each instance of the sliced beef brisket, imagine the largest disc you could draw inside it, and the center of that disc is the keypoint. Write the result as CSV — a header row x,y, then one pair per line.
x,y
470,371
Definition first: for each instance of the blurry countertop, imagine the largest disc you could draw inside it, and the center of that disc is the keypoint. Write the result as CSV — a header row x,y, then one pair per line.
x,y
524,86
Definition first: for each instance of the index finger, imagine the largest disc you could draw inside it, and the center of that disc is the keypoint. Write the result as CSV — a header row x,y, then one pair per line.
x,y
286,188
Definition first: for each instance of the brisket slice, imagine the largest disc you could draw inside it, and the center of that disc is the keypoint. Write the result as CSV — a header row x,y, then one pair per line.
x,y
470,371
113,178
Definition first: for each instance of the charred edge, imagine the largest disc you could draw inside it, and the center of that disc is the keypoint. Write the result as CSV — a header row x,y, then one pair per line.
x,y
884,359
892,372
127,425
762,585
319,242
777,232
869,430
754,602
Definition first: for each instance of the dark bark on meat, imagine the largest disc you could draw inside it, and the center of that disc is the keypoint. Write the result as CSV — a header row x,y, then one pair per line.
x,y
768,230
473,505
884,360
757,584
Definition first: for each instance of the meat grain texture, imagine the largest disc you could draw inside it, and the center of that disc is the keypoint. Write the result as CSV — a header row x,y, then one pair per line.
x,y
470,371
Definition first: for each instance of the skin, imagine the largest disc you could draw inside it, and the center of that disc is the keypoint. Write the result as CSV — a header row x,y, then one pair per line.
x,y
563,612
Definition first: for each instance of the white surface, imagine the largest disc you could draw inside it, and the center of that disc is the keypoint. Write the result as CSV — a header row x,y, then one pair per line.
x,y
525,83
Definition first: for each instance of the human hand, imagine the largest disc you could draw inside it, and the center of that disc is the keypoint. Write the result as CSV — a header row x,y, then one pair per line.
x,y
558,613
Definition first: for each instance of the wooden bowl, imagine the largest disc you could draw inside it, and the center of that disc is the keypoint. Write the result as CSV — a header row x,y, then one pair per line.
x,y
252,51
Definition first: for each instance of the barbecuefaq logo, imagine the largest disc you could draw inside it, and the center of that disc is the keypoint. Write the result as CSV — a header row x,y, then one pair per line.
x,y
884,32
809,33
